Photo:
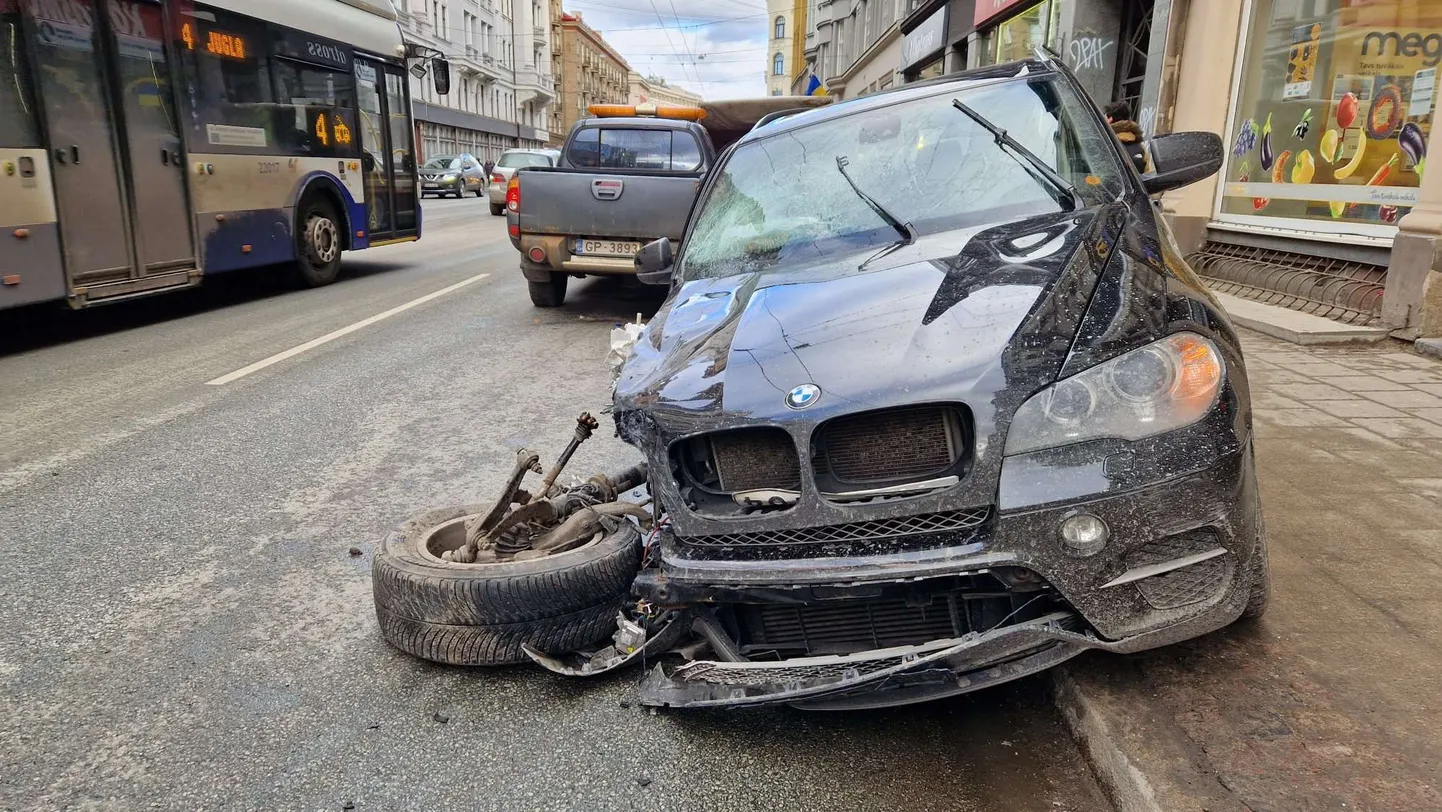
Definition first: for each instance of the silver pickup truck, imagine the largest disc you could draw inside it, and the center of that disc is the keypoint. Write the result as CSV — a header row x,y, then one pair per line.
x,y
622,181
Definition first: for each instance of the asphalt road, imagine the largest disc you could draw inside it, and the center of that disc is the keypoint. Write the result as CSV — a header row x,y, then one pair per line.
x,y
182,625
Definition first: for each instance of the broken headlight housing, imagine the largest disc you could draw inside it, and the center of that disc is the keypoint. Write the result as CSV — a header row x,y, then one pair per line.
x,y
1153,389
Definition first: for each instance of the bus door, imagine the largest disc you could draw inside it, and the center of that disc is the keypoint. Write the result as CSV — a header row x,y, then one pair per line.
x,y
105,93
388,157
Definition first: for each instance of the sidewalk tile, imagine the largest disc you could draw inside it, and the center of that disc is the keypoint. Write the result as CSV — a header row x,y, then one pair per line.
x,y
1357,408
1318,369
1429,388
1267,399
1410,359
1363,383
1435,415
1401,428
1298,418
1414,375
1313,391
1406,399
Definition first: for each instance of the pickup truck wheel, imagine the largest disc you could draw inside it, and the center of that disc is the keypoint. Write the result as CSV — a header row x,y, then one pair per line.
x,y
550,293
497,209
481,614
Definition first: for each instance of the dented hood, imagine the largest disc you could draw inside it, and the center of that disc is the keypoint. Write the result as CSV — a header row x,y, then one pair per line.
x,y
963,316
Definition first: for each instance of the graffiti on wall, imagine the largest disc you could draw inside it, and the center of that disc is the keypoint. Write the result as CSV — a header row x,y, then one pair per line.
x,y
1147,120
1089,53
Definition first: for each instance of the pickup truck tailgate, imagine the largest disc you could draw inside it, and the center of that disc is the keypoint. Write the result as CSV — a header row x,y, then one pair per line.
x,y
583,203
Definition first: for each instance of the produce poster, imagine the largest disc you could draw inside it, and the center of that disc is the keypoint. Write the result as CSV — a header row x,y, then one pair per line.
x,y
1341,132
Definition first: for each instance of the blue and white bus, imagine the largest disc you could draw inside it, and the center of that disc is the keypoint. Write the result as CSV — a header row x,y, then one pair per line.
x,y
147,144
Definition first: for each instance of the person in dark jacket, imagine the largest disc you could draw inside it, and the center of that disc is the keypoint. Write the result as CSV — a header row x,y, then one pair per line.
x,y
1119,115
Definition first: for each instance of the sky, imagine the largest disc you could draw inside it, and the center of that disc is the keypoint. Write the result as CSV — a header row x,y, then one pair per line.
x,y
713,47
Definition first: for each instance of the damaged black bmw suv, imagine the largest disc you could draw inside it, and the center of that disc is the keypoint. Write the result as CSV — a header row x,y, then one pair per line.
x,y
934,403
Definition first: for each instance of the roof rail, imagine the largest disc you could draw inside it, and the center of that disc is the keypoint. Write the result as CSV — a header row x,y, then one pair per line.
x,y
1046,56
777,115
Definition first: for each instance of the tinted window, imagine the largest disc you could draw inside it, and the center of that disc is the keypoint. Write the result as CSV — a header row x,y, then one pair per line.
x,y
516,160
17,103
443,162
636,149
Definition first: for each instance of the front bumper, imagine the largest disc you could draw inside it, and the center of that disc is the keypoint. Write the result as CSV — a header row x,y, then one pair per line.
x,y
1138,593
441,186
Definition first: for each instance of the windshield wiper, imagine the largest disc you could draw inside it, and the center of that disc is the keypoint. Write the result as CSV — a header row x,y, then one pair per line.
x,y
907,232
1060,189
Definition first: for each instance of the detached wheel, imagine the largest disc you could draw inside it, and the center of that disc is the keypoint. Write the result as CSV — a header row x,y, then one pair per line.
x,y
318,243
481,614
497,209
550,293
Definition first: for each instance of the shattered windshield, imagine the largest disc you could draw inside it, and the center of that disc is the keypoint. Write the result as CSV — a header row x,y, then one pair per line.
x,y
781,200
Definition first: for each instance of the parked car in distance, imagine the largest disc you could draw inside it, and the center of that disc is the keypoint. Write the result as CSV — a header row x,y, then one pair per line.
x,y
626,176
510,161
452,175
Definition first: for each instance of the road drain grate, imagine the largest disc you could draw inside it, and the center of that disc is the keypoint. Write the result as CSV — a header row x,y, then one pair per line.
x,y
1341,290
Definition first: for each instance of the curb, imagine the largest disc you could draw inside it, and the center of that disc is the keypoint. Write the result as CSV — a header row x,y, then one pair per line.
x,y
1295,326
1125,784
1431,347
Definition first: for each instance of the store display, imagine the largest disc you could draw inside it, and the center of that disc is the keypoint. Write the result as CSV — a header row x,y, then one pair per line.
x,y
1246,138
1347,110
1386,113
1267,156
1279,169
1331,147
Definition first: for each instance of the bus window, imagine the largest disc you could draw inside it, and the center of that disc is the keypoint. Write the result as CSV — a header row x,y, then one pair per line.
x,y
321,119
18,127
227,77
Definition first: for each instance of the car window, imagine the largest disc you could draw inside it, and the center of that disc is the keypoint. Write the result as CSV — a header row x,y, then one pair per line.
x,y
443,162
784,200
615,148
517,160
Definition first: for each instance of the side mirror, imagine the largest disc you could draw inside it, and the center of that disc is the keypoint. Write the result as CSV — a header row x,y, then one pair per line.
x,y
653,262
1179,159
441,76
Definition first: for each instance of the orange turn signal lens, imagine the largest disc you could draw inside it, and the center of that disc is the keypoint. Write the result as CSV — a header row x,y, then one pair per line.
x,y
1199,373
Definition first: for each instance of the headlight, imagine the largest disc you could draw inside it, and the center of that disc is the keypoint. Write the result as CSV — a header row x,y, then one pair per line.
x,y
1163,386
449,176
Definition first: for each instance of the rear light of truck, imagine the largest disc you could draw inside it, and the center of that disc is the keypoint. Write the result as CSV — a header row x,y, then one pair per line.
x,y
513,194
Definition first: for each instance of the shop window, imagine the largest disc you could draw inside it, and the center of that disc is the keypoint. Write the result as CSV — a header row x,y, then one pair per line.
x,y
1335,103
1020,36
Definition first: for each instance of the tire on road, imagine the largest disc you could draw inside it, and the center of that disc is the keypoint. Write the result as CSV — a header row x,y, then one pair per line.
x,y
1259,573
497,209
480,614
550,293
318,242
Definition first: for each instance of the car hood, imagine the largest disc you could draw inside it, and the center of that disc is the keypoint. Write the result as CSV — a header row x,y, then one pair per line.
x,y
984,317
963,315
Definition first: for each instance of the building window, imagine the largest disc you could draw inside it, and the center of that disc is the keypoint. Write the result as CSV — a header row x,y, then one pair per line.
x,y
778,65
780,28
1330,124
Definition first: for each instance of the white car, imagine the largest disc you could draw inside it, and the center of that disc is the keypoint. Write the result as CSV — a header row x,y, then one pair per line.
x,y
511,160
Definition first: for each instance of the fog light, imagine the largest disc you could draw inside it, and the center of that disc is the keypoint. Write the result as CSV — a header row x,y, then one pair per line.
x,y
1085,534
538,255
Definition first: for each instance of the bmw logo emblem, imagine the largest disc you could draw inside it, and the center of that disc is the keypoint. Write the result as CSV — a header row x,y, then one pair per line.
x,y
802,396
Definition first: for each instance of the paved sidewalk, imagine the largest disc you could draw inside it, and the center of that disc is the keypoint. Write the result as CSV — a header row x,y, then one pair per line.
x,y
1334,700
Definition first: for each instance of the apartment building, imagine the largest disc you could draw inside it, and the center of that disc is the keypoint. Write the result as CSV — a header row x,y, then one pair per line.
x,y
592,72
502,82
784,63
655,90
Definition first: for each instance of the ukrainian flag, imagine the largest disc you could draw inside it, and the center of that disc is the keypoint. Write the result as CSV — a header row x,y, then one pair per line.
x,y
814,87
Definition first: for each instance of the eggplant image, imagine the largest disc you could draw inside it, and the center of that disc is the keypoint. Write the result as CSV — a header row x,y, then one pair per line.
x,y
1414,145
1267,157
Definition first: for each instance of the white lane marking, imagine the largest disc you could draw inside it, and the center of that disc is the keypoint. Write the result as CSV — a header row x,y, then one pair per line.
x,y
332,336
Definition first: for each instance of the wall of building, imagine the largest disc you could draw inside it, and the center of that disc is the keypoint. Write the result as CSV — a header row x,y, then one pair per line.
x,y
643,91
502,88
592,72
779,84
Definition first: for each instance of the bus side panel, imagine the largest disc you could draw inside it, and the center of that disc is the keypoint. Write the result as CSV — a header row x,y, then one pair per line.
x,y
249,200
31,265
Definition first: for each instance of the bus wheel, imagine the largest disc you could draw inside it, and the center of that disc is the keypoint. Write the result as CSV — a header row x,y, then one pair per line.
x,y
318,243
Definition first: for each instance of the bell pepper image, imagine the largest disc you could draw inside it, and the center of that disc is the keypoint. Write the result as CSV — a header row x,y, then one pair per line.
x,y
1305,168
1351,166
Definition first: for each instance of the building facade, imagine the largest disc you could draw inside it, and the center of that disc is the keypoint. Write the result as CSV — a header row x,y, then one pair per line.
x,y
502,83
786,19
655,90
592,72
853,46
